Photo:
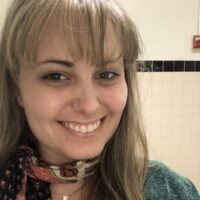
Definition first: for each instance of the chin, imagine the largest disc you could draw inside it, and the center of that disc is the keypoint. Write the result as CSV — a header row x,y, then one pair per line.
x,y
86,154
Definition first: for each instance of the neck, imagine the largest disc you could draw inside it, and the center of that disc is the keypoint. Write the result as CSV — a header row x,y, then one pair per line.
x,y
66,191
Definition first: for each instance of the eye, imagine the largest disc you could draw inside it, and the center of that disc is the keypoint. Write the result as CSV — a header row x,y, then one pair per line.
x,y
107,75
55,76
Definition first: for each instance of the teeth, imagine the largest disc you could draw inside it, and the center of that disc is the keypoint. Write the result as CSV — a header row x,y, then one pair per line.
x,y
71,126
76,128
83,128
90,128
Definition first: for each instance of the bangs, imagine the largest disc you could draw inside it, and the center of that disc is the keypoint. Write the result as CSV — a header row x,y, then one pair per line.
x,y
98,31
90,34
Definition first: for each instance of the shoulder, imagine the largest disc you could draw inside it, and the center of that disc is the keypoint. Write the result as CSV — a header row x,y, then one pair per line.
x,y
162,183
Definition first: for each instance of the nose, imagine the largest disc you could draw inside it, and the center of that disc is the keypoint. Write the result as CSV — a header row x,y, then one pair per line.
x,y
86,100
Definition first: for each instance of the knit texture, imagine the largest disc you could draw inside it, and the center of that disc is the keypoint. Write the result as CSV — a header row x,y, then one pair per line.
x,y
162,183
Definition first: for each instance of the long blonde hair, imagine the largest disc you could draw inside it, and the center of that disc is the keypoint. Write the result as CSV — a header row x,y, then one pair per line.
x,y
123,165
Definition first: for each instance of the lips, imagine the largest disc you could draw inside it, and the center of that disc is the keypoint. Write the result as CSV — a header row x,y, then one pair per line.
x,y
82,128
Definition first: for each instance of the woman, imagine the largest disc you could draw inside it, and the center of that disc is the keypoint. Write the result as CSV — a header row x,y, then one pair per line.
x,y
70,125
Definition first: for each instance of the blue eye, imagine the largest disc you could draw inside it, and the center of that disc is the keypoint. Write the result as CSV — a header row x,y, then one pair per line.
x,y
107,75
54,77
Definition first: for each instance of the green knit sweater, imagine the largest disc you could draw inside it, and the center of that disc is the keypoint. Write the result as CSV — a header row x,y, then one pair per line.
x,y
162,183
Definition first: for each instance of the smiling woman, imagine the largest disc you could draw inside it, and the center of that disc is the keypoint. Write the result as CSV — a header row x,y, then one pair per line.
x,y
69,98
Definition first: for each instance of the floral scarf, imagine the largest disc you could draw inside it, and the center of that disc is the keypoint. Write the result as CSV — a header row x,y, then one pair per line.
x,y
28,177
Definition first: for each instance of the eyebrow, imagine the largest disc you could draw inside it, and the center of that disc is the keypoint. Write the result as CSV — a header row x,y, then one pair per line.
x,y
67,63
64,63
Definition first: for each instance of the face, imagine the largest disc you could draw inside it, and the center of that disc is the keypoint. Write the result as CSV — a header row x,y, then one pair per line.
x,y
73,108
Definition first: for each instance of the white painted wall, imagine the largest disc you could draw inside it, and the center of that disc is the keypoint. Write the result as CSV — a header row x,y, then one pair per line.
x,y
166,27
3,8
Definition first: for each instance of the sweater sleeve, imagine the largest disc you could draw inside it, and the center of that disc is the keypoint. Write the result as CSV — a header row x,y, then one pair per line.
x,y
162,183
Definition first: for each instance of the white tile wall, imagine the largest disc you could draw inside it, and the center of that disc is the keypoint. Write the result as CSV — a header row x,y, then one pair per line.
x,y
171,109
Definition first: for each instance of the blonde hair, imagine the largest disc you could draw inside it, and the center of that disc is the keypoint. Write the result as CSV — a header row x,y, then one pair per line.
x,y
123,165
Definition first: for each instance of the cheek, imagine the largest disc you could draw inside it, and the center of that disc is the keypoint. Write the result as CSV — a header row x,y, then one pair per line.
x,y
116,98
41,103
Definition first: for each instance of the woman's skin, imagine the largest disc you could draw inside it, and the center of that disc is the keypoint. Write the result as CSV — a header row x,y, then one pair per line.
x,y
73,108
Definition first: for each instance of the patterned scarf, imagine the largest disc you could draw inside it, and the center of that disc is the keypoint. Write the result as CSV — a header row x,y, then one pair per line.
x,y
28,177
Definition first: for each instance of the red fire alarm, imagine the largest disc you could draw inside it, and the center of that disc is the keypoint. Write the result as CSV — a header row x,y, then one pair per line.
x,y
196,41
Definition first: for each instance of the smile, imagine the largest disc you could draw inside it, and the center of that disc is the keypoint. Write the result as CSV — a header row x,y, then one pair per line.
x,y
82,128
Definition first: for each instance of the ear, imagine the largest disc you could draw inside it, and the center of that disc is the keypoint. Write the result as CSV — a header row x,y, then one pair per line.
x,y
19,97
20,101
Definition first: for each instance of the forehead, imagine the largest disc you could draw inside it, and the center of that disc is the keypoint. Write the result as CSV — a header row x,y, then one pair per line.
x,y
66,41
